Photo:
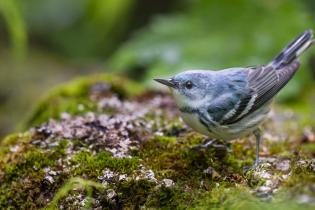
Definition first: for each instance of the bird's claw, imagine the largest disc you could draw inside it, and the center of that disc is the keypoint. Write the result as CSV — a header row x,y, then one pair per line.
x,y
252,167
220,150
209,144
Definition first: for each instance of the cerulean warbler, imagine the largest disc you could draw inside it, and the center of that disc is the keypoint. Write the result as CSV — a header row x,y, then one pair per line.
x,y
233,102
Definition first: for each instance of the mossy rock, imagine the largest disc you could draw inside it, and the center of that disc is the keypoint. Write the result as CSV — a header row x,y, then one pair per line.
x,y
103,142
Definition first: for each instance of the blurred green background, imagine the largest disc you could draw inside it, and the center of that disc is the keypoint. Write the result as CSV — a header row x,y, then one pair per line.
x,y
45,42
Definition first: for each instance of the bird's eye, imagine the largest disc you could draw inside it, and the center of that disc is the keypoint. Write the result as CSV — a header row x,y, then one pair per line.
x,y
188,84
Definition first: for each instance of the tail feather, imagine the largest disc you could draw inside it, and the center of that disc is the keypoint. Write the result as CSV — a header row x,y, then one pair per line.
x,y
293,50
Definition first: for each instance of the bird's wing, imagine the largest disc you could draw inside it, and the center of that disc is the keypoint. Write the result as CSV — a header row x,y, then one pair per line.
x,y
263,83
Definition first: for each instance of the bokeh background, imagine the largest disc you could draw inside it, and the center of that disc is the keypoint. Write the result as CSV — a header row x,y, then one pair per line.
x,y
46,42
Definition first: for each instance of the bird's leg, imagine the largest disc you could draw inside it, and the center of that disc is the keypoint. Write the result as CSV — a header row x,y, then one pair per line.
x,y
210,142
218,148
257,134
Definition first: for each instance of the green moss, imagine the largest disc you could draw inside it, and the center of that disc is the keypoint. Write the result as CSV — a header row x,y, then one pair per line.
x,y
240,198
308,148
185,165
32,162
164,139
301,175
23,194
145,194
23,175
75,183
169,163
133,194
242,155
176,197
181,161
254,181
16,138
12,140
93,165
279,147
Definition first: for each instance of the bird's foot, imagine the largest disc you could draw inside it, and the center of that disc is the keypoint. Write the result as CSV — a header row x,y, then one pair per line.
x,y
252,167
220,148
212,143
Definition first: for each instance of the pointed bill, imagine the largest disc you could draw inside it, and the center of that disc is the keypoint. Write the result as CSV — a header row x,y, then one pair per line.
x,y
167,82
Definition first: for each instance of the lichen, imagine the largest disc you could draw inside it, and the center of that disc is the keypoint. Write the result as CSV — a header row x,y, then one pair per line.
x,y
104,143
78,96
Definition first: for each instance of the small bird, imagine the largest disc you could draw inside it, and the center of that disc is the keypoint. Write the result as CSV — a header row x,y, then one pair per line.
x,y
233,102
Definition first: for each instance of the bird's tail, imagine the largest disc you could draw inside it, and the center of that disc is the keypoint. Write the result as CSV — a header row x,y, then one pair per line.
x,y
294,49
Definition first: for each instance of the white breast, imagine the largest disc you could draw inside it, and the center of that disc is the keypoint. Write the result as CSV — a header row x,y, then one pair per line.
x,y
192,120
229,132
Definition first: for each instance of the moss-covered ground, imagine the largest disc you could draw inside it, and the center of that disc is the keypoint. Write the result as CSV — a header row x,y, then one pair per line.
x,y
105,143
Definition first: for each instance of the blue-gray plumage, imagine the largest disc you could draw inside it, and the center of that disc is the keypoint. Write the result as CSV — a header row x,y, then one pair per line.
x,y
233,102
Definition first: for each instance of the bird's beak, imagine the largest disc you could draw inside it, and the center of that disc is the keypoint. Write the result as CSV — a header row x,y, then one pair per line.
x,y
168,82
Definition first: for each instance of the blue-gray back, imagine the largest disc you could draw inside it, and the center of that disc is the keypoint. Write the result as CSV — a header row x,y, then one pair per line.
x,y
238,92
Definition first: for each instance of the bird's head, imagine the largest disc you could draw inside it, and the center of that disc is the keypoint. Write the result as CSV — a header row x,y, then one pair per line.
x,y
188,87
